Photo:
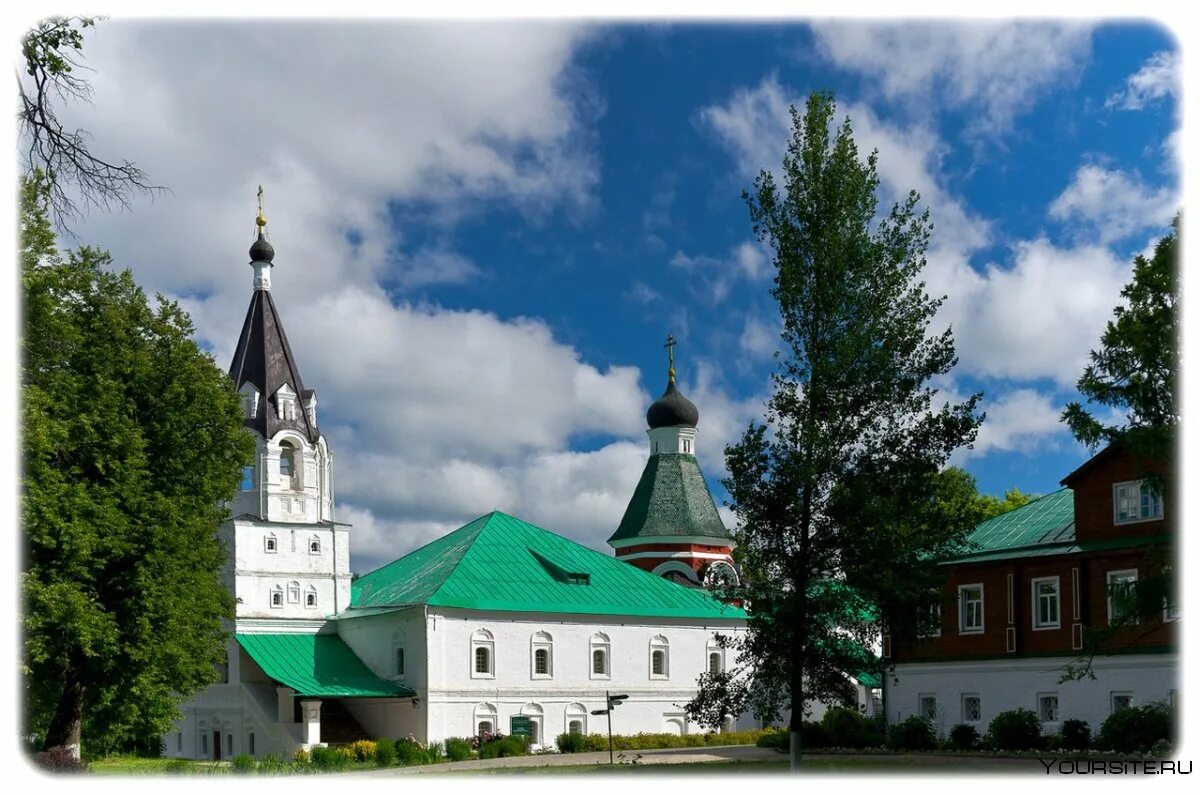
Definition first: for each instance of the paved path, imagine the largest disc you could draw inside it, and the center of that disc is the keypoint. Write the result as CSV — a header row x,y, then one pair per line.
x,y
922,763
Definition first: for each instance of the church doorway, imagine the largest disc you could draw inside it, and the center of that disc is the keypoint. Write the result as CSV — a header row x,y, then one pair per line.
x,y
217,744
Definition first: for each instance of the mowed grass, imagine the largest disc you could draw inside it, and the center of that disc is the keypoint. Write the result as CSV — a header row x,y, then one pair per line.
x,y
812,764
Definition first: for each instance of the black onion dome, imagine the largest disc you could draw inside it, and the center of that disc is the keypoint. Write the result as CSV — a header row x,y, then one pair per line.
x,y
672,409
261,250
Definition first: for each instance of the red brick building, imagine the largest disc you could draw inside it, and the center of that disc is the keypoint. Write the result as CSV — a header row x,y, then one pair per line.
x,y
1042,587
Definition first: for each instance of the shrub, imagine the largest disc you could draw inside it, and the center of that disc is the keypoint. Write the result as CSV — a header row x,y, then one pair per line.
x,y
1076,735
243,763
1015,730
1136,729
964,737
301,757
433,753
410,752
385,753
570,742
774,738
327,758
270,763
177,767
848,728
364,750
458,749
1160,748
914,733
512,745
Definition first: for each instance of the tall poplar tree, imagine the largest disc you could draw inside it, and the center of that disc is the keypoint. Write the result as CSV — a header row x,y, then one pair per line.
x,y
841,506
131,437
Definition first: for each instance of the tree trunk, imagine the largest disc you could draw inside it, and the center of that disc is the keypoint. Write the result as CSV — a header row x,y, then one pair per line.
x,y
66,725
797,721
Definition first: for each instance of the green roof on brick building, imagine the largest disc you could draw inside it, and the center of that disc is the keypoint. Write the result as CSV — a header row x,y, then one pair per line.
x,y
671,499
1045,525
499,562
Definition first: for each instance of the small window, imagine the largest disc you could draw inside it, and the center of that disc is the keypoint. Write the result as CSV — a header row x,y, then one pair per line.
x,y
971,709
294,592
272,544
1135,501
310,597
1045,603
575,727
399,661
928,707
970,599
1121,701
714,662
204,742
1048,707
1122,596
314,546
687,446
599,663
484,728
250,743
287,465
658,662
179,741
483,660
276,597
541,662
247,478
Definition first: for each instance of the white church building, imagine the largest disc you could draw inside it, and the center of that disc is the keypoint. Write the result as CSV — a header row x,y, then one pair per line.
x,y
495,620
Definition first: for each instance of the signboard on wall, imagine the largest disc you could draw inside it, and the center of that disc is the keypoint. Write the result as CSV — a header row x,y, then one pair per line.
x,y
520,725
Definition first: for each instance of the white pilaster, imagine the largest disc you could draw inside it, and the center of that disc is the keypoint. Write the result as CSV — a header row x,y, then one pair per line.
x,y
311,712
262,275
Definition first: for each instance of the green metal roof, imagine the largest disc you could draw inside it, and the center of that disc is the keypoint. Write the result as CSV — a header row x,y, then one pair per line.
x,y
671,499
316,665
499,562
1028,531
867,679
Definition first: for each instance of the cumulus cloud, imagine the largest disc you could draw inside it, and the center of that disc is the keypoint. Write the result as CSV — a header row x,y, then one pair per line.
x,y
1158,77
998,69
716,276
1110,205
1022,419
759,339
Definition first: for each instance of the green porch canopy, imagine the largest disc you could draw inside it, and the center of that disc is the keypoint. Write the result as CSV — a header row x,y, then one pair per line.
x,y
317,665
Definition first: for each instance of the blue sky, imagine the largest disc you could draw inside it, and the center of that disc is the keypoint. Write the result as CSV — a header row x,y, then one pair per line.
x,y
484,232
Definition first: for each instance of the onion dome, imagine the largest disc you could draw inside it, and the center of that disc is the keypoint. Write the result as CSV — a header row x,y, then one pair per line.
x,y
672,409
261,250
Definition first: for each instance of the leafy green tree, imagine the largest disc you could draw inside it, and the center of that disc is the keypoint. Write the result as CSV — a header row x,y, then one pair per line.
x,y
994,506
131,438
73,174
1136,371
836,494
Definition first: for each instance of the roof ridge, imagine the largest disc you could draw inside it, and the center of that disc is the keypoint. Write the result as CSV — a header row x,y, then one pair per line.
x,y
466,529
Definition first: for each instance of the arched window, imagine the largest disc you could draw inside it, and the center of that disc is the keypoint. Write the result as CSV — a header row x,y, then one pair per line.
x,y
484,722
310,596
534,713
287,465
277,596
575,719
714,662
659,658
271,544
482,655
294,592
314,545
599,662
398,640
542,646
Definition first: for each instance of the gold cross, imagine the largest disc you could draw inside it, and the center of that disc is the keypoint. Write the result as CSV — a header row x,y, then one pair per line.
x,y
261,220
670,346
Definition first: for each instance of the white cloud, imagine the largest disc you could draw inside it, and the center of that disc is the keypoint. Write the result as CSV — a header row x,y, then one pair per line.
x,y
1158,77
759,339
997,69
717,276
1022,419
1111,205
434,266
642,293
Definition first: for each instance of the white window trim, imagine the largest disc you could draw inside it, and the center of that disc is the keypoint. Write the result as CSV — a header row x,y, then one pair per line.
x,y
293,587
1114,695
1139,484
1036,600
962,610
271,598
963,707
664,647
314,541
1108,582
311,591
487,641
1057,709
268,547
541,642
593,647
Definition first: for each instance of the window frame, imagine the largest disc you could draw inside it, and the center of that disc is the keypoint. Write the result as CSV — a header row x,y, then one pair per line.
x,y
932,699
963,629
541,642
276,591
1039,700
1108,590
978,708
483,640
311,600
314,545
600,643
1113,695
271,544
1036,602
293,587
1141,487
660,645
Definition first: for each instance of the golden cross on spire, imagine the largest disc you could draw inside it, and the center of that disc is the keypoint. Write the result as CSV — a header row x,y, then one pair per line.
x,y
261,220
670,346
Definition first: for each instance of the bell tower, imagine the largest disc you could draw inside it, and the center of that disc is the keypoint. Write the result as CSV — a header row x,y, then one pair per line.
x,y
290,559
671,526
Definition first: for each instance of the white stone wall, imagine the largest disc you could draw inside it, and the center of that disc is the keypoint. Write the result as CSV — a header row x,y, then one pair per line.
x,y
273,497
455,693
672,439
1011,683
258,570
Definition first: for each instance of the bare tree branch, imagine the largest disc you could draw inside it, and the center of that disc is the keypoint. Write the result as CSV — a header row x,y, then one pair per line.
x,y
77,179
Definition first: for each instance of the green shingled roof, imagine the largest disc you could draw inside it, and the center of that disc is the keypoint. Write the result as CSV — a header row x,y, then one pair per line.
x,y
671,499
316,665
499,562
1045,525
